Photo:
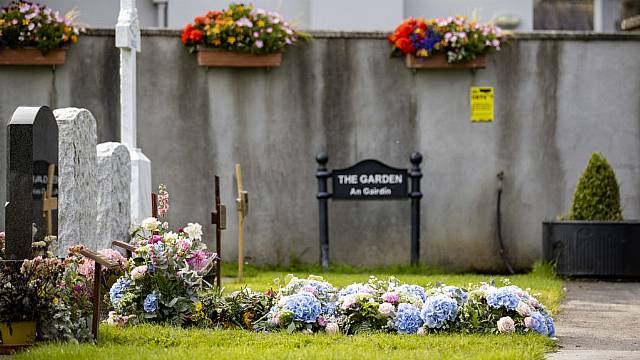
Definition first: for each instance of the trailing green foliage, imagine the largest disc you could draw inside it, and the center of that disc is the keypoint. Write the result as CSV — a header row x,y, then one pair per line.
x,y
597,195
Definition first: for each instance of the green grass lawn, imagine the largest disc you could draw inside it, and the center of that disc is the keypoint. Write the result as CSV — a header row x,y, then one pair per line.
x,y
162,342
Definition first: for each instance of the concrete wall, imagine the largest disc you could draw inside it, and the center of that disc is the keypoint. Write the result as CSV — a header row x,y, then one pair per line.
x,y
558,97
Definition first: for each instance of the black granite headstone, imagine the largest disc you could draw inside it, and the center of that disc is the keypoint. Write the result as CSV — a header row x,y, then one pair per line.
x,y
32,145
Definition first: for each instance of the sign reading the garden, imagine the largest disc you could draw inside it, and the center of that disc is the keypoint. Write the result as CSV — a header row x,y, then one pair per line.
x,y
370,179
481,104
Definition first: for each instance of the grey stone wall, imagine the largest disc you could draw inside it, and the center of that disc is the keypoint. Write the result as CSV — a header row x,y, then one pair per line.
x,y
558,97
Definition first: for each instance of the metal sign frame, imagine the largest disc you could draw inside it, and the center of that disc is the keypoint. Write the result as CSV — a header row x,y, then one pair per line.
x,y
323,174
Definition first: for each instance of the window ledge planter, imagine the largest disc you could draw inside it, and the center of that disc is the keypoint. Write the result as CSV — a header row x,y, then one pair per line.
x,y
222,58
593,248
439,61
32,56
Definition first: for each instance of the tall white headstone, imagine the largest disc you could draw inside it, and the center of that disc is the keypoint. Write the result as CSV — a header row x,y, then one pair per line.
x,y
128,41
76,178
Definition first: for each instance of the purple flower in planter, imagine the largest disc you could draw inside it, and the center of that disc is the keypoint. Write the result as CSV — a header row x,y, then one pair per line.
x,y
259,44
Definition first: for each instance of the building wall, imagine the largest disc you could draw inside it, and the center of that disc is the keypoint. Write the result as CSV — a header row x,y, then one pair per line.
x,y
558,97
356,15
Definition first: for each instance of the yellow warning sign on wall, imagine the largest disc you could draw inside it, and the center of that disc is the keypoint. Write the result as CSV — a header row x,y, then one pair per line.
x,y
481,98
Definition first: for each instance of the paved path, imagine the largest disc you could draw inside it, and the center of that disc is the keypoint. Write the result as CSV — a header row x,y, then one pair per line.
x,y
599,320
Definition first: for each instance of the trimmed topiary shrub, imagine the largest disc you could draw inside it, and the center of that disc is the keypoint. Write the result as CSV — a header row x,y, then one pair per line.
x,y
597,195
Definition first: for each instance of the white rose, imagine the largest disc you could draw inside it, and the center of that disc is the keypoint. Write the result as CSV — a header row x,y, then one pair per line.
x,y
150,224
332,328
506,325
385,308
194,231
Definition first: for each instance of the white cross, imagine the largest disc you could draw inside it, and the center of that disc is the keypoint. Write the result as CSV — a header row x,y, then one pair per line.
x,y
128,40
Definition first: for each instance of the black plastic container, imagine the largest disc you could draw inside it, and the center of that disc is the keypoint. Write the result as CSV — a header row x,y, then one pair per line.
x,y
593,248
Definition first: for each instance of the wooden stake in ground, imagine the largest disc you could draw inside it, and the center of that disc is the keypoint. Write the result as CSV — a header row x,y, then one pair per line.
x,y
219,219
242,207
49,203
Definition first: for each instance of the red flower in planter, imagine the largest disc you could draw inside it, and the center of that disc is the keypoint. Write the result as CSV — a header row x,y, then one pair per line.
x,y
195,35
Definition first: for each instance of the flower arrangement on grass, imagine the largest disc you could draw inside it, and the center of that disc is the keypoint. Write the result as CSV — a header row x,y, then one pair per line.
x,y
64,297
303,304
163,276
240,309
25,24
241,28
504,309
456,37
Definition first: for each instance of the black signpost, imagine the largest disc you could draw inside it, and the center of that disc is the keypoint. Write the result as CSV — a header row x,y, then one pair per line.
x,y
369,180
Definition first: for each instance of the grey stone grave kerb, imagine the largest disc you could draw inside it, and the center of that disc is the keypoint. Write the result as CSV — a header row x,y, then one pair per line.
x,y
32,136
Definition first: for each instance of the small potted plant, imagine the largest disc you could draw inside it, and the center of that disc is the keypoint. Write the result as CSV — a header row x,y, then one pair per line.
x,y
447,43
240,36
32,34
18,306
593,239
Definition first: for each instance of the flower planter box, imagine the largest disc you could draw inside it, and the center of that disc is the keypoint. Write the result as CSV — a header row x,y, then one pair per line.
x,y
439,61
593,248
222,58
18,333
31,57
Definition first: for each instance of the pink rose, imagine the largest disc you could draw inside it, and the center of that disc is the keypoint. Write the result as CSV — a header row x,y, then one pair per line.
x,y
138,272
275,320
523,309
528,322
506,325
348,302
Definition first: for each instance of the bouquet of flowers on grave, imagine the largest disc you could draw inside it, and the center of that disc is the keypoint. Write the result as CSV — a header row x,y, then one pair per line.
x,y
304,305
240,309
456,37
163,276
25,24
504,309
64,297
241,28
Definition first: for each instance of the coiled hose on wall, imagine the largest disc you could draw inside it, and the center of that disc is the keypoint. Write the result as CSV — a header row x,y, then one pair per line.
x,y
503,254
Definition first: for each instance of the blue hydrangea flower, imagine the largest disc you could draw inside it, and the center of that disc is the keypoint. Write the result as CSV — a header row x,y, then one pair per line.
x,y
151,303
456,293
408,319
539,323
416,290
305,307
356,288
328,308
438,309
322,287
117,290
551,327
504,296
